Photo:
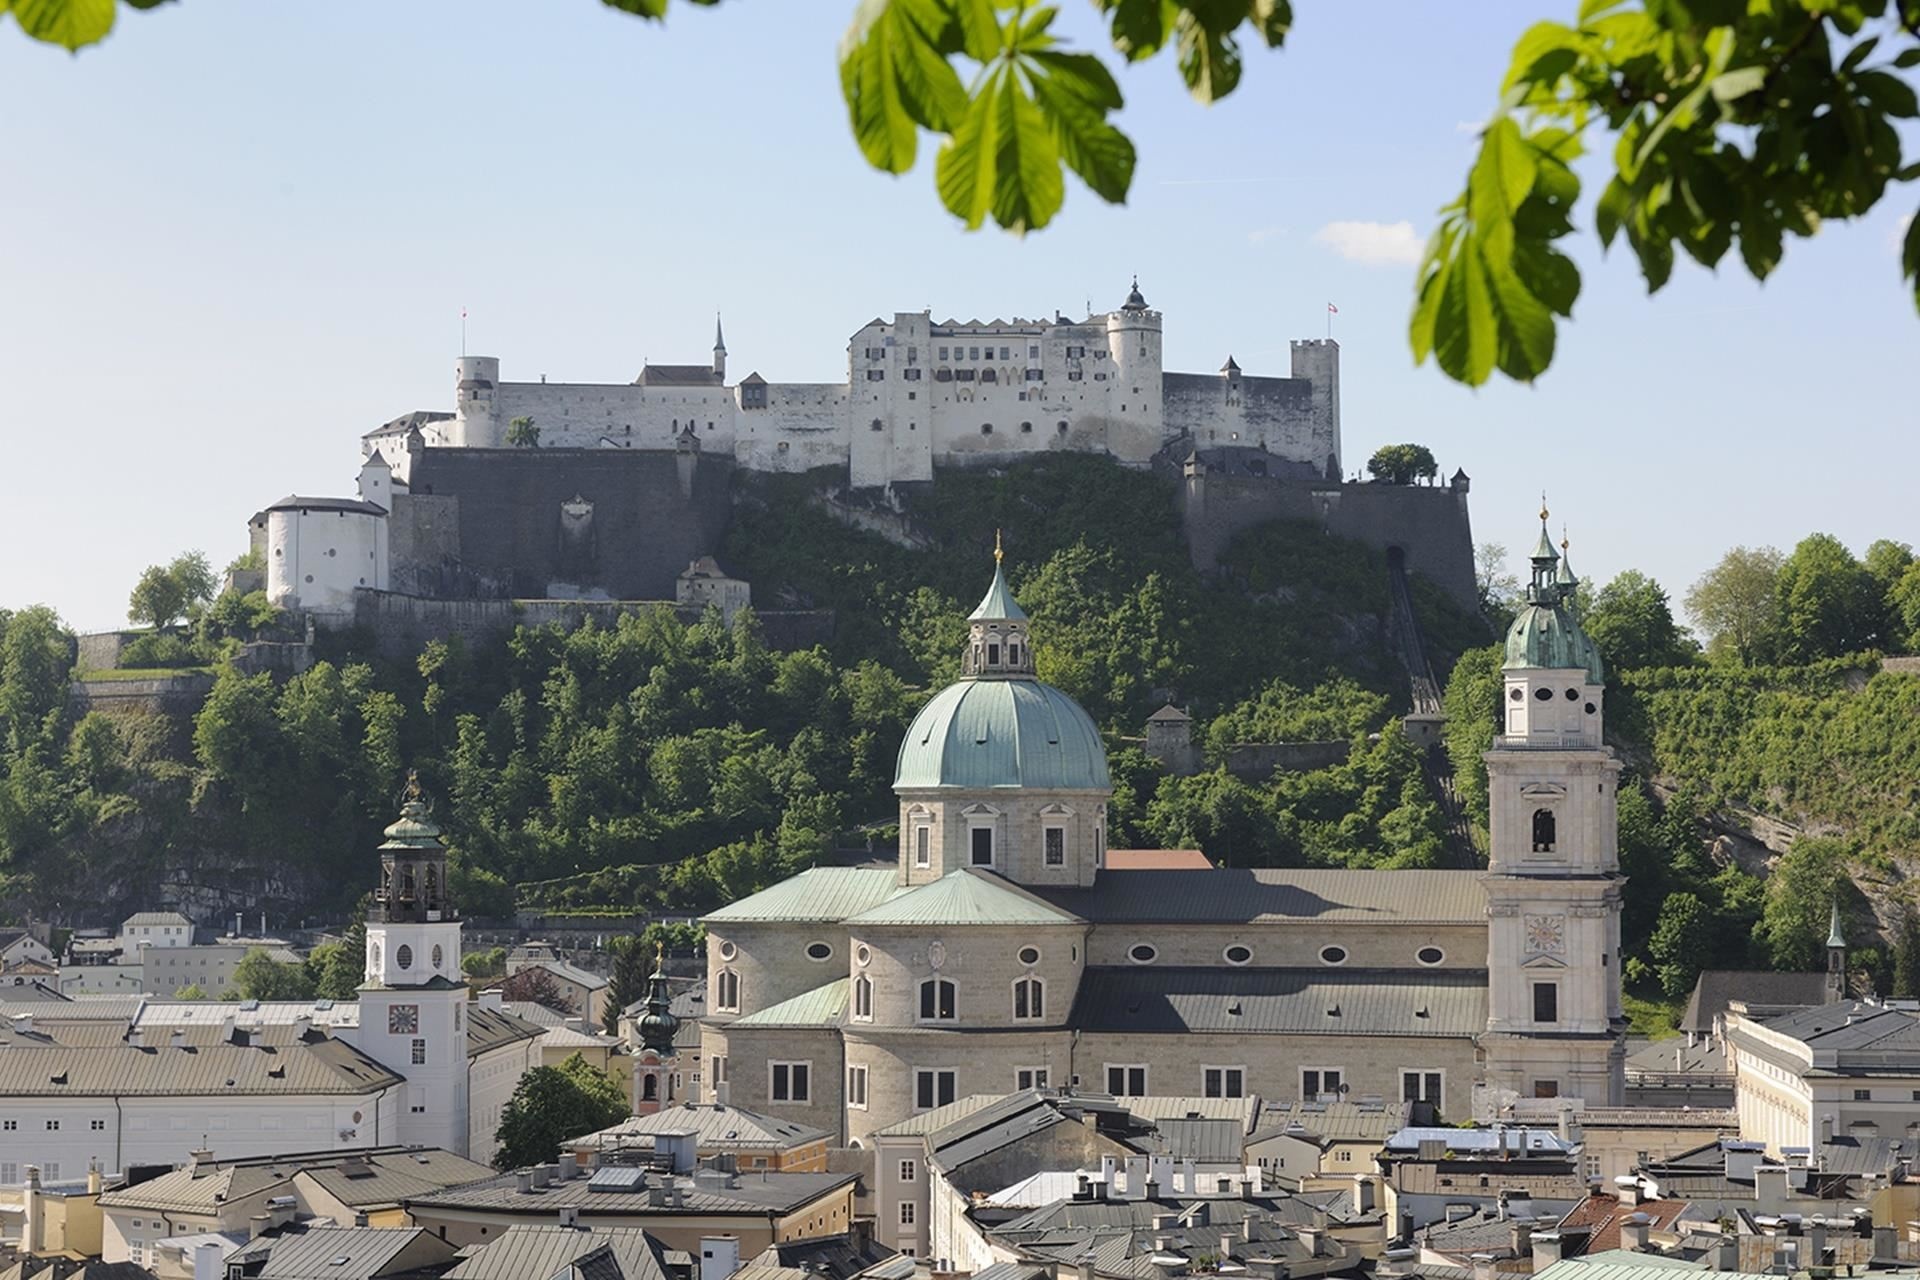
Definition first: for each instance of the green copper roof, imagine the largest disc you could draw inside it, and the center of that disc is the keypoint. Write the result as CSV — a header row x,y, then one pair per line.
x,y
1002,733
816,894
966,896
998,603
414,830
1835,938
1547,635
820,1007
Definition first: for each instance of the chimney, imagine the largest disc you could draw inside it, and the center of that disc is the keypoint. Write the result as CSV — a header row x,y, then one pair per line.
x,y
199,1161
1082,1188
524,1181
177,1038
1546,1250
719,1257
1769,1187
136,1035
33,1205
494,1000
1189,1177
1633,1232
258,1225
1482,1266
301,1026
569,1216
1136,1176
543,1175
1742,1159
23,1024
1884,1248
1627,1188
1826,1128
1311,1237
1083,1267
1363,1195
1520,1238
94,1181
1816,1242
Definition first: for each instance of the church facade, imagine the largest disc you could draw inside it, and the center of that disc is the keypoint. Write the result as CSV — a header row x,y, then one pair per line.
x,y
1000,952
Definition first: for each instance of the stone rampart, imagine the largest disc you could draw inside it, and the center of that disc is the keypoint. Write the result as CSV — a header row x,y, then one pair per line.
x,y
402,625
1259,761
178,694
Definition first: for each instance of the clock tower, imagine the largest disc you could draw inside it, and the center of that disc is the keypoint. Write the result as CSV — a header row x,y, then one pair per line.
x,y
1554,1022
413,1006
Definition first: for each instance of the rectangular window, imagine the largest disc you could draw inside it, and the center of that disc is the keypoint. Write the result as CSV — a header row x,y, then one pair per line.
x,y
9,1172
98,1126
718,1071
1420,1086
1546,1002
1546,1088
1035,375
1223,1082
857,1088
1863,1095
876,375
963,375
790,1081
1127,1080
1033,352
909,1170
419,1053
1055,840
1003,353
1315,1081
911,375
906,1213
52,1125
943,353
980,840
973,353
1030,1078
923,846
933,1088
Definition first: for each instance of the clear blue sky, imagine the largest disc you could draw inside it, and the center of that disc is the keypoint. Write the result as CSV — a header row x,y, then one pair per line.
x,y
238,235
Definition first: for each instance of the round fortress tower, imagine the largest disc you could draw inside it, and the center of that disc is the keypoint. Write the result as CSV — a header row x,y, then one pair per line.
x,y
477,426
1133,343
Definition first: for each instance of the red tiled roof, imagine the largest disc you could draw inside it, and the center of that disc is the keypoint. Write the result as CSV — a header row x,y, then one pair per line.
x,y
1601,1216
1157,860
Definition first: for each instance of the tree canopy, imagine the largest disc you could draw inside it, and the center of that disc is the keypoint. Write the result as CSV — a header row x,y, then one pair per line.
x,y
167,593
1632,623
1402,464
1725,122
553,1104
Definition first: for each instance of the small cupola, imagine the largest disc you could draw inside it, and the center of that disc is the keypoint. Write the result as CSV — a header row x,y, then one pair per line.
x,y
1231,369
659,1026
413,864
997,643
1135,301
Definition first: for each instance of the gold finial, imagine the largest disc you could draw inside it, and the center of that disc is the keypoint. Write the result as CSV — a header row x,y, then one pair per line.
x,y
998,554
1543,506
1563,539
659,955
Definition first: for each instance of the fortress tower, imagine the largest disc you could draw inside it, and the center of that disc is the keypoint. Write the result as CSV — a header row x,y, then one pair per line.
x,y
1554,1021
1133,341
476,384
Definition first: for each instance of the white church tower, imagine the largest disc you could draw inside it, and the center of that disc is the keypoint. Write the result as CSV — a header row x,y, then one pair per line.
x,y
413,1006
1554,1021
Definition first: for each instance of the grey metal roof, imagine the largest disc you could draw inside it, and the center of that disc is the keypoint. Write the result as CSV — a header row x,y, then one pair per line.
x,y
489,1029
716,1126
966,896
678,375
351,506
320,1066
1342,1002
816,894
377,1173
1506,1138
940,1117
1011,1119
351,1253
161,917
384,1181
1863,1032
1274,895
536,1252
1715,989
1204,1141
568,970
1333,1121
757,1193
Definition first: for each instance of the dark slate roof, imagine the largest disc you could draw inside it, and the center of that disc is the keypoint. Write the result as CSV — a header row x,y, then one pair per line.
x,y
1272,895
407,421
295,502
1347,1002
757,1194
1866,1034
835,1257
529,1250
677,375
351,1253
1014,1117
1758,989
488,1029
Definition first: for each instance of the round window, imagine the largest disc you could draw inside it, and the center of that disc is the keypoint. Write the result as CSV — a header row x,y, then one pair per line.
x,y
1591,709
1142,953
1573,695
863,953
819,951
728,951
439,956
1543,694
1514,695
403,956
1029,955
1430,955
1238,954
1333,955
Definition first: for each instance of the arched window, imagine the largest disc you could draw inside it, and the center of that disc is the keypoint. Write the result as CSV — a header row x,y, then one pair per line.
x,y
726,991
649,1088
939,1000
1029,999
1543,833
863,999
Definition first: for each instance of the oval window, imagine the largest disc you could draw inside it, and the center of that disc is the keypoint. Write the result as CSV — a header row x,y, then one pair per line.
x,y
728,951
439,956
819,951
1430,955
863,953
1333,955
1543,694
1142,953
403,956
1573,695
1238,954
1029,955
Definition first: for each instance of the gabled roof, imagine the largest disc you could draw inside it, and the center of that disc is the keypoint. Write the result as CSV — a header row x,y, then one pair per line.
x,y
677,375
1716,989
1170,713
821,894
314,1067
1600,1218
820,1007
1852,1026
967,896
570,972
1331,1121
1273,895
716,1126
366,1178
940,1117
156,917
352,1253
489,1029
528,1251
1152,999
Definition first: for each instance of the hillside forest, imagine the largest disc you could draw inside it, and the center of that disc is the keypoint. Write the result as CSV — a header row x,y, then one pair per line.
x,y
659,768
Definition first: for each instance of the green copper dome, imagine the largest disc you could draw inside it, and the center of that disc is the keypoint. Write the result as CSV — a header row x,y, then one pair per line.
x,y
979,734
1547,633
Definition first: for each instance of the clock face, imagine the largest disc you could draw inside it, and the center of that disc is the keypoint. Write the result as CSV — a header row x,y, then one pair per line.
x,y
1546,935
403,1019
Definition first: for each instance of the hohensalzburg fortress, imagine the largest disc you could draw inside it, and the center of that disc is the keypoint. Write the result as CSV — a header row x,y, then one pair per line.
x,y
918,395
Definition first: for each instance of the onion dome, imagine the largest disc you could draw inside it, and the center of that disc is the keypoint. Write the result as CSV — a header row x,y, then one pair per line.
x,y
658,1026
1547,634
1134,302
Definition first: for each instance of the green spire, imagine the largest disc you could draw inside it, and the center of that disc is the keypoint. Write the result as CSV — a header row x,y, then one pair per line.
x,y
998,604
1835,939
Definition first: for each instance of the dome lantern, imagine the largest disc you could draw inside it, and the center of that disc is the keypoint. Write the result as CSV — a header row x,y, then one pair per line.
x,y
997,644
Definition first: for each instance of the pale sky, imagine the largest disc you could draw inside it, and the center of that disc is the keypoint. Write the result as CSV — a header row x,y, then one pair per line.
x,y
236,236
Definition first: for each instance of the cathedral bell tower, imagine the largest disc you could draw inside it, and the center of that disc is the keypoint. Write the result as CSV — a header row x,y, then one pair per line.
x,y
654,1068
1554,1022
413,1005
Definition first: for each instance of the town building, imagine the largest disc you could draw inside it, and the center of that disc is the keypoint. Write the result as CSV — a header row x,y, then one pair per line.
x,y
1850,1069
1304,1143
754,1141
1003,953
599,1253
347,1252
576,990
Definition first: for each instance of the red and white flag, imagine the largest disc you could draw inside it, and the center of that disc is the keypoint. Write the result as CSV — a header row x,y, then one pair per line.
x,y
1332,310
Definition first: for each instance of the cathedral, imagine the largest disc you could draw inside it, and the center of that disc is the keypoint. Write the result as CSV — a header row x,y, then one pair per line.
x,y
1000,952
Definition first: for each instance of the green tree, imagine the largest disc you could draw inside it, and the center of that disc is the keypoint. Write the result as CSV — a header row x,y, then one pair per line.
x,y
1498,587
1903,610
1733,603
1632,623
1906,956
1800,895
632,963
1825,603
551,1105
1472,704
522,433
1682,943
488,963
1339,708
259,976
1402,464
192,991
169,592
